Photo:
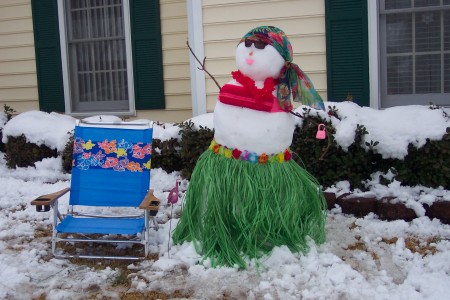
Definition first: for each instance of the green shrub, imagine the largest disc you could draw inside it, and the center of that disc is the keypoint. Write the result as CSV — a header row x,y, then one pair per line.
x,y
428,165
8,112
328,162
166,155
193,144
67,155
20,153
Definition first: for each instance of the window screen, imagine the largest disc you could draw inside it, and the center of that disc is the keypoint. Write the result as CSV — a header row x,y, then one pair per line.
x,y
97,55
415,50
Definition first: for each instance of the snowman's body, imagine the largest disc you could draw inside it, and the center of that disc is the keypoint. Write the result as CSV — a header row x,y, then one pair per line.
x,y
239,207
246,128
252,130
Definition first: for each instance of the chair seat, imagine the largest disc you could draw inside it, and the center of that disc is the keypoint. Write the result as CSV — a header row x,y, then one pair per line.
x,y
72,224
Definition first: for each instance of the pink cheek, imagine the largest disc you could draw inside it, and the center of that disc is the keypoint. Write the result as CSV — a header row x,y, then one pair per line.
x,y
249,61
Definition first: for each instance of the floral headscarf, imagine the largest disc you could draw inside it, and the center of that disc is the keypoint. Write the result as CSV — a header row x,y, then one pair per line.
x,y
292,79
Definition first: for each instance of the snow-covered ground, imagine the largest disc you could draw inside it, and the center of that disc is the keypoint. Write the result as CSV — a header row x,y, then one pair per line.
x,y
363,258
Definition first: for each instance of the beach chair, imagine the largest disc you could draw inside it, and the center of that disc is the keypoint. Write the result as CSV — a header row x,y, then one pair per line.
x,y
110,200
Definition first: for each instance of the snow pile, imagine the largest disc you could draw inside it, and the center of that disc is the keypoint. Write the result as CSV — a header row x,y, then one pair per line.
x,y
41,128
362,257
394,128
3,119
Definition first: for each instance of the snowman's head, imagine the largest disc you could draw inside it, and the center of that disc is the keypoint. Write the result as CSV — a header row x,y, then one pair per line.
x,y
262,52
258,60
265,51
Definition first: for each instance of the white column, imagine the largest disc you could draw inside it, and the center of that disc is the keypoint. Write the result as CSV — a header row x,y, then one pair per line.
x,y
195,36
374,60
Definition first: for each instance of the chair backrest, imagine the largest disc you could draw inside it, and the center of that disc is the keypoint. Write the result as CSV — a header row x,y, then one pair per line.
x,y
111,164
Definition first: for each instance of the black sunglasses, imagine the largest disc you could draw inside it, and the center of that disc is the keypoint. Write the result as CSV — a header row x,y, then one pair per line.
x,y
258,44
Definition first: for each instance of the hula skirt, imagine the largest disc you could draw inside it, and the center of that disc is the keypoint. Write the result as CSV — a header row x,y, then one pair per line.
x,y
236,209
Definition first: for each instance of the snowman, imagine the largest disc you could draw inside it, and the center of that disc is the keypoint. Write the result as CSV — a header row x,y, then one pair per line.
x,y
247,195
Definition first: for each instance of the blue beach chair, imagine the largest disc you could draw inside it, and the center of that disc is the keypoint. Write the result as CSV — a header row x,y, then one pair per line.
x,y
110,200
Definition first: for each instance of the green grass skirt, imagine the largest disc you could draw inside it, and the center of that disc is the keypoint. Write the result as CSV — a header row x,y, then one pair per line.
x,y
236,209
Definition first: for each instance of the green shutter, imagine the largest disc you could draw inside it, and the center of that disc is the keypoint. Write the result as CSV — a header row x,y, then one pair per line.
x,y
347,50
48,55
147,54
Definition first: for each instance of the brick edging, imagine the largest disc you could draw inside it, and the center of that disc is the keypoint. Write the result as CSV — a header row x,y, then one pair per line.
x,y
387,208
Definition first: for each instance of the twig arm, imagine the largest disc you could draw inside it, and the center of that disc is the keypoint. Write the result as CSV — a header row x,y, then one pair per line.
x,y
202,64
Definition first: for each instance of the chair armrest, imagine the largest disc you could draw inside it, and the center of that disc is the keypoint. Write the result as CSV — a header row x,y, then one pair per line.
x,y
44,202
150,203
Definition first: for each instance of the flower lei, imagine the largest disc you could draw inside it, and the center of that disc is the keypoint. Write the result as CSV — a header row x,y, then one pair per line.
x,y
265,93
249,156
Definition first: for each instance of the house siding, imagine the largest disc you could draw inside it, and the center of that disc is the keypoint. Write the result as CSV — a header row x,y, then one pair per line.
x,y
174,34
18,81
225,22
18,84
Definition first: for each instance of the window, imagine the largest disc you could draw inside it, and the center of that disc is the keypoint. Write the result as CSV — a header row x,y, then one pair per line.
x,y
97,65
99,32
414,52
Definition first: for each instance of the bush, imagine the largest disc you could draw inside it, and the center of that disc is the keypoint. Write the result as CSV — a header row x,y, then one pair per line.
x,y
328,162
20,153
193,144
166,155
428,165
8,112
67,155
324,159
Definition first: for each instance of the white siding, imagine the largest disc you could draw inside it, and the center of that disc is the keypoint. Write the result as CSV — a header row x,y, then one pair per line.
x,y
226,21
18,84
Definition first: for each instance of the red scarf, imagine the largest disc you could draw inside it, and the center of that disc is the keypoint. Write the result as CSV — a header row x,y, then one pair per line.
x,y
248,95
265,93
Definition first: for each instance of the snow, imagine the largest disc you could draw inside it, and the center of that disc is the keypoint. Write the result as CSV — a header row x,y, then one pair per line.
x,y
3,119
362,257
41,128
394,128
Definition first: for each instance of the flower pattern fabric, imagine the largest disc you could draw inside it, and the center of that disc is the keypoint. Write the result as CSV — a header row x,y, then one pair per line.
x,y
249,156
120,156
292,79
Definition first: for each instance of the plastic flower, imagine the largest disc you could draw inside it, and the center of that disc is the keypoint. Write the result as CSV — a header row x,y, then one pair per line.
x,y
263,158
287,155
227,153
213,145
236,153
216,148
253,158
279,157
245,155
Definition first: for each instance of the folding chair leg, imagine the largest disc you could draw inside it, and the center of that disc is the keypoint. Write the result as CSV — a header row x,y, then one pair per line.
x,y
55,222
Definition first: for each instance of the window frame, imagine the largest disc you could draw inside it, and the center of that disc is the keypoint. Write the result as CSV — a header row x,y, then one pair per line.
x,y
66,72
384,99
